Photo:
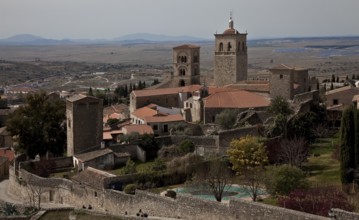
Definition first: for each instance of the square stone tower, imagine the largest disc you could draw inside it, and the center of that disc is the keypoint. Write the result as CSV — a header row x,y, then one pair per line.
x,y
288,81
230,57
186,65
84,124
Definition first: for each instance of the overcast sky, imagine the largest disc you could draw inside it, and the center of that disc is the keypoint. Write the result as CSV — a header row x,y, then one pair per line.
x,y
108,19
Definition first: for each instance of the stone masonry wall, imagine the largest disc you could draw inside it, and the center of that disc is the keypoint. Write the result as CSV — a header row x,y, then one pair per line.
x,y
184,206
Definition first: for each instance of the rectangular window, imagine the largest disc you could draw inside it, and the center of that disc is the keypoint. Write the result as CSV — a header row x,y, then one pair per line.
x,y
155,127
280,76
335,102
165,128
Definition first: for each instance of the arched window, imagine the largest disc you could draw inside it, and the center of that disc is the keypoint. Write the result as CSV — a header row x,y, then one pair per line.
x,y
182,72
229,46
221,46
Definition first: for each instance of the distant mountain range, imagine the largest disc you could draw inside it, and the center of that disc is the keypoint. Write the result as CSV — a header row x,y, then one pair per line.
x,y
138,38
145,38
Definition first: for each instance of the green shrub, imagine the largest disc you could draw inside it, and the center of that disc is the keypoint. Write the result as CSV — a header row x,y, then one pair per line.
x,y
130,189
186,146
130,167
284,179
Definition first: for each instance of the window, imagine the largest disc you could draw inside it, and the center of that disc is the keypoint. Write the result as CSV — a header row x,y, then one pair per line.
x,y
335,102
95,194
280,76
190,105
221,46
155,127
165,128
239,46
195,58
229,46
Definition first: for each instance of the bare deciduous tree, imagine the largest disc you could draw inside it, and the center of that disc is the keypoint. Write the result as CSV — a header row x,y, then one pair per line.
x,y
213,176
294,152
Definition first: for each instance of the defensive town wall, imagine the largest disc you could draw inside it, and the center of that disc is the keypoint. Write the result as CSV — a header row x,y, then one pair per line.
x,y
184,206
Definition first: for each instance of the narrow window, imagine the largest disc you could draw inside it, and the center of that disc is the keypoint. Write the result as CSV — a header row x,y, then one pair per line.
x,y
335,101
229,46
221,46
280,76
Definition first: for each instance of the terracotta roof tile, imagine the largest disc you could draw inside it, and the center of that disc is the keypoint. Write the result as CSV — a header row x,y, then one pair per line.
x,y
231,31
236,99
165,91
164,118
141,129
144,112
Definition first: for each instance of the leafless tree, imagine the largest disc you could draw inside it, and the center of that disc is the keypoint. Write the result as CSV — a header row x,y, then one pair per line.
x,y
293,152
213,176
34,192
253,179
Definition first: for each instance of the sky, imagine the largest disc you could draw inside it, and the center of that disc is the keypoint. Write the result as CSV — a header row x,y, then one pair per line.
x,y
108,19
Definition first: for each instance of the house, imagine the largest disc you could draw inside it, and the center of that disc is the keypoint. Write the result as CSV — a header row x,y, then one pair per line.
x,y
239,100
101,159
168,97
157,117
119,111
341,96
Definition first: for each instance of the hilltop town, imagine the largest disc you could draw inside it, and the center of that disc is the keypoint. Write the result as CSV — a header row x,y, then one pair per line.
x,y
106,151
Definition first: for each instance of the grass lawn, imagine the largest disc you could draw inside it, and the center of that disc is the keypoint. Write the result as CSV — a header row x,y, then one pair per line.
x,y
140,167
64,215
322,168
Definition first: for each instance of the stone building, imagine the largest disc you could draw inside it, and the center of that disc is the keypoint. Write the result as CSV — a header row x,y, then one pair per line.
x,y
230,56
186,65
288,81
84,124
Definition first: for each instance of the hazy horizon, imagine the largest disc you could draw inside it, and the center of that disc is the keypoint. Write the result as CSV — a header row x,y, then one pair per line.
x,y
108,19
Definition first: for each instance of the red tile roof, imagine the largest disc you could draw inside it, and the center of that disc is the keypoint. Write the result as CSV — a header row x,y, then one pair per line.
x,y
164,118
236,99
231,31
165,91
144,112
141,129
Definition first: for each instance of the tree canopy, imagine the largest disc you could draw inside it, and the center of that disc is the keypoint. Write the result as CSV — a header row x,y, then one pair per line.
x,y
39,126
247,152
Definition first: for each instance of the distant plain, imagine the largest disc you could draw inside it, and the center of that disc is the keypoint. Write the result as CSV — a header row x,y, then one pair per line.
x,y
322,56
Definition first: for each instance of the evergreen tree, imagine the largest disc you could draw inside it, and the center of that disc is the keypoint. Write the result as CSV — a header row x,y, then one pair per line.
x,y
331,86
90,92
347,152
333,78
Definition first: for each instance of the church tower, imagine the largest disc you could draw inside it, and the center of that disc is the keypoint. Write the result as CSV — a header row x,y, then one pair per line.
x,y
230,57
186,65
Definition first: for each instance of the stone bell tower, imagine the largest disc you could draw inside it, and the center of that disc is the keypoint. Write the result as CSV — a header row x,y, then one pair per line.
x,y
186,65
230,56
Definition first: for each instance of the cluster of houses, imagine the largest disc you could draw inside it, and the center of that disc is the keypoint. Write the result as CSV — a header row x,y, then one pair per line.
x,y
182,99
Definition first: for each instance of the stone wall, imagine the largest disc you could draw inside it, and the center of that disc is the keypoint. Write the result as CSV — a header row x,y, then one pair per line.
x,y
134,150
341,214
184,206
225,137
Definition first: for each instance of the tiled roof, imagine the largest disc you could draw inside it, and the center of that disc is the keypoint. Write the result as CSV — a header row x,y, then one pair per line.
x,y
107,135
166,91
164,118
93,154
144,112
253,87
236,99
8,154
342,89
119,108
92,177
141,129
186,46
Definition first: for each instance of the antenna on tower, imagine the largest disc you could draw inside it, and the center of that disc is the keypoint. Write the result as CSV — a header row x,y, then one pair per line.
x,y
231,14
